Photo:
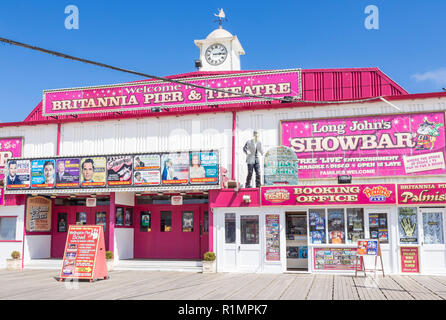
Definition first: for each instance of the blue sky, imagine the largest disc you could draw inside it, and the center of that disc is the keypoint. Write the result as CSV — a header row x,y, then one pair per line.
x,y
156,37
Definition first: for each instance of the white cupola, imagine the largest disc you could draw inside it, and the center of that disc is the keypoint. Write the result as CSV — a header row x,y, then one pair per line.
x,y
221,50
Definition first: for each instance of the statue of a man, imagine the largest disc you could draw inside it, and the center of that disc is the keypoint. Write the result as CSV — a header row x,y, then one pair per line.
x,y
252,149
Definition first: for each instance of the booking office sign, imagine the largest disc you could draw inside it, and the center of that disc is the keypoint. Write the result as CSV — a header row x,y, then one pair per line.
x,y
280,166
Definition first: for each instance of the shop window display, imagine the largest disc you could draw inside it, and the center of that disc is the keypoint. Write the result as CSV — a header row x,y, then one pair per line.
x,y
355,224
317,226
166,221
206,222
378,227
249,228
433,228
101,219
62,222
188,221
408,225
336,226
230,228
146,221
81,218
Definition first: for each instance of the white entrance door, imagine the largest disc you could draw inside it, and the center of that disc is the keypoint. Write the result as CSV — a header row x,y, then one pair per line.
x,y
249,253
432,235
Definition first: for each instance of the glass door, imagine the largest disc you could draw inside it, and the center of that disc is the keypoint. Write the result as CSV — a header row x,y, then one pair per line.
x,y
432,236
296,240
249,243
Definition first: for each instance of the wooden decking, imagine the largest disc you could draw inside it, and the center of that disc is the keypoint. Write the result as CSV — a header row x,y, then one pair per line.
x,y
42,284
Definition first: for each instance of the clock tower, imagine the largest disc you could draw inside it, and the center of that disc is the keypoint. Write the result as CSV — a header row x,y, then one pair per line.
x,y
220,51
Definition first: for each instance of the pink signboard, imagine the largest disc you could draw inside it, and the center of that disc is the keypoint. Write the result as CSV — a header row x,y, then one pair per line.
x,y
329,195
9,148
423,193
387,145
148,94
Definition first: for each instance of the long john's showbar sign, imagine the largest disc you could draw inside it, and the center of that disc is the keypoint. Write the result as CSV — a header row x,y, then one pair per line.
x,y
148,94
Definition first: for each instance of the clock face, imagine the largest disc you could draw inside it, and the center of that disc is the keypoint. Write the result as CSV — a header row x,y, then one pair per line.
x,y
216,54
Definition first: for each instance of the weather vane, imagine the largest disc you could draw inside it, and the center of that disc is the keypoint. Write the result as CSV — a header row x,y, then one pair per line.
x,y
221,16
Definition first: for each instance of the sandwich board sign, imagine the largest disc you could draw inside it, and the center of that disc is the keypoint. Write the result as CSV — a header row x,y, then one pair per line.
x,y
368,247
84,256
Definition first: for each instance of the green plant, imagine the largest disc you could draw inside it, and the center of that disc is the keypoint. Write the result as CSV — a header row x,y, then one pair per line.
x,y
108,255
15,255
209,256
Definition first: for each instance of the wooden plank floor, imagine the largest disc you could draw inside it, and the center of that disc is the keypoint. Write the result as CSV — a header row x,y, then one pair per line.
x,y
155,285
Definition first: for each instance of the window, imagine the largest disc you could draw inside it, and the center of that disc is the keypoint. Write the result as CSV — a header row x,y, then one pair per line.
x,y
249,229
230,228
166,221
62,222
317,225
81,218
433,227
7,228
407,225
188,221
146,221
355,224
206,222
336,226
378,227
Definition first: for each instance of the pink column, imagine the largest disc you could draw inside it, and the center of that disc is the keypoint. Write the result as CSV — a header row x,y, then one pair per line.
x,y
234,126
58,139
111,223
211,230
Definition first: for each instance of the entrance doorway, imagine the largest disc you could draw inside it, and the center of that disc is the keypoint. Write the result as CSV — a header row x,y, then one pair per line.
x,y
296,241
65,216
171,232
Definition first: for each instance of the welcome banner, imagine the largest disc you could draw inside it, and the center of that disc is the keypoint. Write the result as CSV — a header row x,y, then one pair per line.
x,y
148,94
387,145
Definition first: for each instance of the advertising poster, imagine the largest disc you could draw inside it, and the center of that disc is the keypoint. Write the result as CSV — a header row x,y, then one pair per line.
x,y
43,173
408,225
93,172
384,145
272,225
335,258
280,166
409,259
9,148
175,168
84,253
146,170
203,167
67,172
38,214
18,174
119,216
367,247
329,195
119,170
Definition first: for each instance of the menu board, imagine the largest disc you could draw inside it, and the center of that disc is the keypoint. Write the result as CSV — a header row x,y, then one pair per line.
x,y
272,237
132,170
38,214
367,248
84,256
409,259
334,258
